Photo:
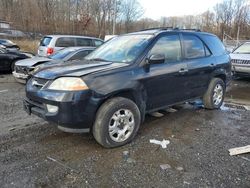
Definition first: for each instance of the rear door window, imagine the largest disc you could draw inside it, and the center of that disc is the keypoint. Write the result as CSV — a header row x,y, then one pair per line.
x,y
97,43
65,42
83,42
45,41
193,47
80,55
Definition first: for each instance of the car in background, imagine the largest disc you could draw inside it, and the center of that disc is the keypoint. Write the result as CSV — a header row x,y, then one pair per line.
x,y
8,58
13,33
111,90
9,45
240,59
24,68
52,43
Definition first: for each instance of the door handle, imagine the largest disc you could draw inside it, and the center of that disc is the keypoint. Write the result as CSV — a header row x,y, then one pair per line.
x,y
211,65
182,71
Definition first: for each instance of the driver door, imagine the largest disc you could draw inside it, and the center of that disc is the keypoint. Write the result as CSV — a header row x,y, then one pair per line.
x,y
165,83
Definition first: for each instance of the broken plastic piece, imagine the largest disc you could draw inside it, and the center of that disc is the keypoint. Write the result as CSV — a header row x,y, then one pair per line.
x,y
162,143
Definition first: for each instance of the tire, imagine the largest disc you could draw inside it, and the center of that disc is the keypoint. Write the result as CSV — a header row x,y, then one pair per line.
x,y
111,116
13,66
214,95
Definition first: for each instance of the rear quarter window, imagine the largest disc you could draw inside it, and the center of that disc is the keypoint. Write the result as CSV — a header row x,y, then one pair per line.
x,y
65,42
45,41
214,44
97,43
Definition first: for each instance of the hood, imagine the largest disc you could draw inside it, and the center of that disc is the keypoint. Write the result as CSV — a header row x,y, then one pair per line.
x,y
240,56
76,68
32,61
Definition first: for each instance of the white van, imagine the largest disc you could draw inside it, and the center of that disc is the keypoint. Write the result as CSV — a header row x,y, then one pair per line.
x,y
52,43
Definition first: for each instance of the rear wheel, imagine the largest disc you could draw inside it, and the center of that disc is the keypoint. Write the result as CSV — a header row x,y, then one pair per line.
x,y
214,95
117,122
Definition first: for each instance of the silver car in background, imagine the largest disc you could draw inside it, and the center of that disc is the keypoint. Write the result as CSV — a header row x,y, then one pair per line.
x,y
24,68
241,60
52,43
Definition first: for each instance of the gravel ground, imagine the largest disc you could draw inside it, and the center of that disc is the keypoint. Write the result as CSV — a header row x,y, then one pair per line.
x,y
34,153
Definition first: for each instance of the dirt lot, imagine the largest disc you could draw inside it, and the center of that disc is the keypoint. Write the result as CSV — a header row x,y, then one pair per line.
x,y
33,153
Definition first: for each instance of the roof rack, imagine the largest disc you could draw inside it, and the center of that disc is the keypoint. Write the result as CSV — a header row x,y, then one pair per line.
x,y
197,30
157,28
170,28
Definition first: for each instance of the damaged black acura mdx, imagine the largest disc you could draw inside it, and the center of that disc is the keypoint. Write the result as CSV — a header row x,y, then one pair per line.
x,y
110,91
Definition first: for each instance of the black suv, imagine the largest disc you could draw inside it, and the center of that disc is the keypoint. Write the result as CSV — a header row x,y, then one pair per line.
x,y
110,92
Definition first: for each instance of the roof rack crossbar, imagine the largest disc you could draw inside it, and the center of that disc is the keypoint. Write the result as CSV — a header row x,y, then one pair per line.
x,y
157,28
170,28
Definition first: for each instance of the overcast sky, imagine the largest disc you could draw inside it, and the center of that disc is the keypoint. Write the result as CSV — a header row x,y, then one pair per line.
x,y
156,9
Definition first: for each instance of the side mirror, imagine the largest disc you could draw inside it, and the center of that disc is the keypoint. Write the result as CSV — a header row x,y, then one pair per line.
x,y
156,59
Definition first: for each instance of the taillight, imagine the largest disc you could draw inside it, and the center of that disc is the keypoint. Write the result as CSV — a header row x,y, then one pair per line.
x,y
50,51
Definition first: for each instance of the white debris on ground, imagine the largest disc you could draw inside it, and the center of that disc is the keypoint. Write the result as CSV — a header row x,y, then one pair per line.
x,y
165,166
3,91
239,150
162,143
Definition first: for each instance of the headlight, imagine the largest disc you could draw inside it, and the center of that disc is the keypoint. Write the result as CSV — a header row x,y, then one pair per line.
x,y
68,84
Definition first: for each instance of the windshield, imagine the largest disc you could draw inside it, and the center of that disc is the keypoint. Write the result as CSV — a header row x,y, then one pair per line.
x,y
61,54
123,49
243,49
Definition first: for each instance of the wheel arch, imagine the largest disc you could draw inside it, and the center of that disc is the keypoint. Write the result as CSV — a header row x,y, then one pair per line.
x,y
221,76
136,95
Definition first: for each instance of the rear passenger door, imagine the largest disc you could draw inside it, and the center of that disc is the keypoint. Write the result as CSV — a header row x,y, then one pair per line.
x,y
64,42
200,64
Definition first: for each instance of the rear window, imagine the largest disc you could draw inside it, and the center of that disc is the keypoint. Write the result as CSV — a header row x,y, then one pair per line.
x,y
65,42
61,53
45,41
83,42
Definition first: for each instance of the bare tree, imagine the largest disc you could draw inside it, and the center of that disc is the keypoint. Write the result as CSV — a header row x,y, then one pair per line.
x,y
131,10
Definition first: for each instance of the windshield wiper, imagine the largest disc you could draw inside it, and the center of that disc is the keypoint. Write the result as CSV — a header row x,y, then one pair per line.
x,y
98,59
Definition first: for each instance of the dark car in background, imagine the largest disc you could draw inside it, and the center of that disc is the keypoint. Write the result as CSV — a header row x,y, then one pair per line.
x,y
9,45
8,58
110,91
24,68
241,60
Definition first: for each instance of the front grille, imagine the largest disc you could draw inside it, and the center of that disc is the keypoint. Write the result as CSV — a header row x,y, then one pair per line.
x,y
240,62
38,82
35,103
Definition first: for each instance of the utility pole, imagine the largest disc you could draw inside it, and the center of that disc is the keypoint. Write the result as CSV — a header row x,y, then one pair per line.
x,y
114,17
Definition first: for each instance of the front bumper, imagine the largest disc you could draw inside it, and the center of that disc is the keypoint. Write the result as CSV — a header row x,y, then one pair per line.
x,y
76,110
20,77
241,69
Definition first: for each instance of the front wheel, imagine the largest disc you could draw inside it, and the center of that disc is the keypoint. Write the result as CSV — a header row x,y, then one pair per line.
x,y
214,95
12,66
117,122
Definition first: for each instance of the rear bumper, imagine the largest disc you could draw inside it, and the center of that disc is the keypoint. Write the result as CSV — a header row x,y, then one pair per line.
x,y
76,110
